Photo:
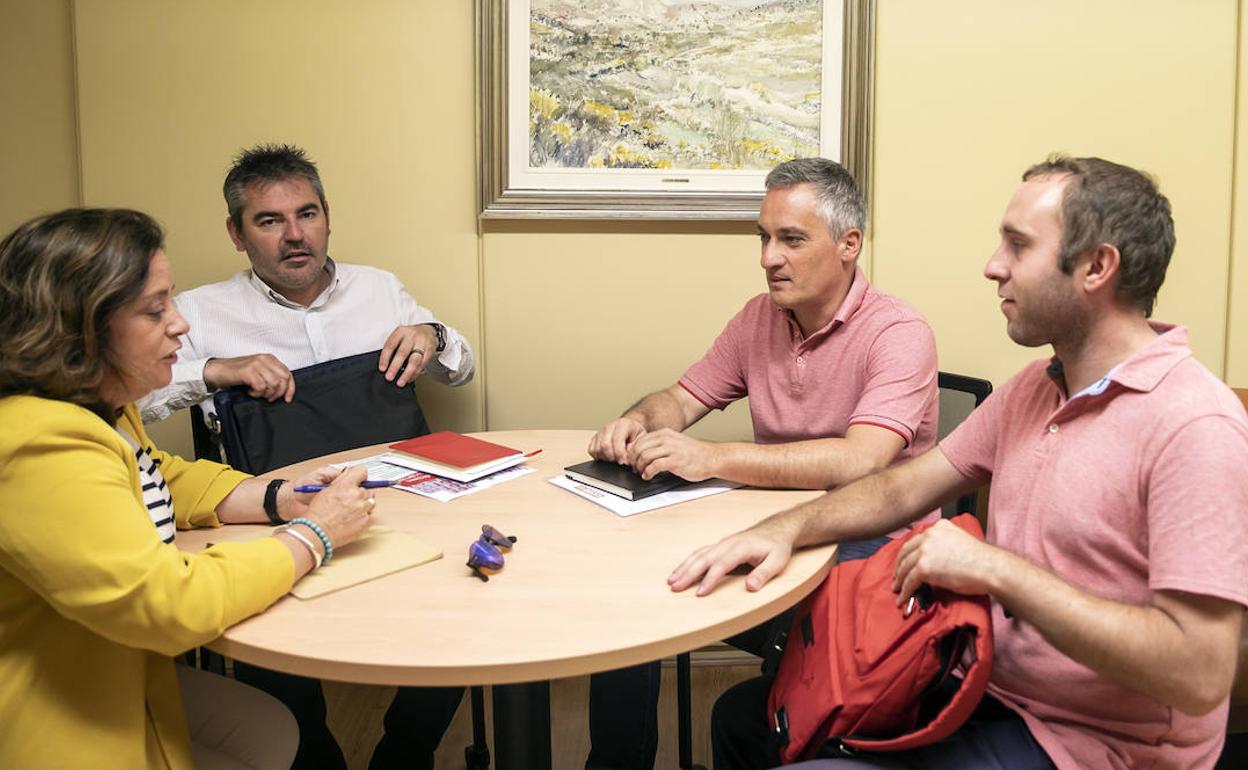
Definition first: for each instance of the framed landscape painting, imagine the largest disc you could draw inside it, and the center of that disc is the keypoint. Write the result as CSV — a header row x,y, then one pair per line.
x,y
665,109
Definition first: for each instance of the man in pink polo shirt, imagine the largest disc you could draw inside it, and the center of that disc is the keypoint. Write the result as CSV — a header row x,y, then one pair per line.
x,y
1117,551
841,380
841,377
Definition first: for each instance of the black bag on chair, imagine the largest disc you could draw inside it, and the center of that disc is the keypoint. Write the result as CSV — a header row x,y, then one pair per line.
x,y
338,405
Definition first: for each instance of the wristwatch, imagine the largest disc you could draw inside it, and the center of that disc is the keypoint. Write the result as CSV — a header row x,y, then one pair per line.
x,y
270,501
440,330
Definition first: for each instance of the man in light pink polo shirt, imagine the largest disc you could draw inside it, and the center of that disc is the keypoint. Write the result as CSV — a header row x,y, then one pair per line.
x,y
841,380
1117,552
841,377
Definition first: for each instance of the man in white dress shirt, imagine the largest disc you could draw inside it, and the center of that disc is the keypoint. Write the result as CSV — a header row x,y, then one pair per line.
x,y
293,308
296,307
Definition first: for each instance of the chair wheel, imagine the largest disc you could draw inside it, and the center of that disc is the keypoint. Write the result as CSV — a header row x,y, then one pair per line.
x,y
477,758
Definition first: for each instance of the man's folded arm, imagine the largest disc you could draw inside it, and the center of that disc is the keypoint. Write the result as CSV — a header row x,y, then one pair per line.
x,y
1180,649
812,464
673,407
186,389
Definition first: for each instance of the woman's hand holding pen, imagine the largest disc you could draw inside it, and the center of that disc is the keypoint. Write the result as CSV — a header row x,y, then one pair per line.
x,y
342,509
335,516
291,504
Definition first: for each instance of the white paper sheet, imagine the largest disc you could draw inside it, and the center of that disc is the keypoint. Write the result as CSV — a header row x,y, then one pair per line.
x,y
621,507
426,484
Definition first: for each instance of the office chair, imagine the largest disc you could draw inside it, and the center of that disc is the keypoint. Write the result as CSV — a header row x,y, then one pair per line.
x,y
958,396
1235,752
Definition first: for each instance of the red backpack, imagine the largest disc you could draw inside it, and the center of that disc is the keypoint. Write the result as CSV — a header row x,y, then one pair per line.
x,y
858,670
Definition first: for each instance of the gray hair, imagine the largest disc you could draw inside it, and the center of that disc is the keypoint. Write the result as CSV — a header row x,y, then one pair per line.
x,y
839,201
263,164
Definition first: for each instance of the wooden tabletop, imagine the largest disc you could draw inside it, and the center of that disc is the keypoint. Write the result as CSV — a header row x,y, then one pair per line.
x,y
582,591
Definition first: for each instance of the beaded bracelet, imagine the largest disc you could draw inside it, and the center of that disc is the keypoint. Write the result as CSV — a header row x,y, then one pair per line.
x,y
312,525
296,534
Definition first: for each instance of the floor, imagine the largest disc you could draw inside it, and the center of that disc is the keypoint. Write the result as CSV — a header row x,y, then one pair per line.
x,y
355,713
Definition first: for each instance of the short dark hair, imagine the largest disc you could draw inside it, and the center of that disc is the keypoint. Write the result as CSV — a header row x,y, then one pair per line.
x,y
840,201
263,164
62,278
1110,203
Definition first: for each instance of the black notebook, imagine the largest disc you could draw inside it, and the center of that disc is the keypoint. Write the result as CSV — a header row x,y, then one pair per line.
x,y
620,480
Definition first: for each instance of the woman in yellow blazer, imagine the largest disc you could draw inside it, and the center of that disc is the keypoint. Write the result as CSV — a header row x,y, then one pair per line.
x,y
94,600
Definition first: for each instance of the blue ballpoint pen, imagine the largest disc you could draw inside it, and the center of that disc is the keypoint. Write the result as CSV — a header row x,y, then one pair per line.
x,y
365,485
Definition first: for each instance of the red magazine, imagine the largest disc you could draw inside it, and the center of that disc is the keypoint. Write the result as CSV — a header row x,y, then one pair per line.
x,y
454,449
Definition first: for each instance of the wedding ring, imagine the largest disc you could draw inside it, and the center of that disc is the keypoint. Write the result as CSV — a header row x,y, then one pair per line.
x,y
416,352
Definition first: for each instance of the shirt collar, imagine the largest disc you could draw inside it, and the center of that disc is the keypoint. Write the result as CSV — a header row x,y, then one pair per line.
x,y
853,300
274,296
1145,368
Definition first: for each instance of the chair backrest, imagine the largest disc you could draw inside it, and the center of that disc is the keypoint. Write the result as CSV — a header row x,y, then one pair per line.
x,y
207,443
338,405
1239,692
959,395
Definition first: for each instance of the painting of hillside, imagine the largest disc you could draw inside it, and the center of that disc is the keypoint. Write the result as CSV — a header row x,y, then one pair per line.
x,y
679,84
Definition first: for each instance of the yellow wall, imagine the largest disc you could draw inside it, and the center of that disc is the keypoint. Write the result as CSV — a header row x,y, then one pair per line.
x,y
576,320
968,94
38,153
581,320
1237,324
971,93
379,93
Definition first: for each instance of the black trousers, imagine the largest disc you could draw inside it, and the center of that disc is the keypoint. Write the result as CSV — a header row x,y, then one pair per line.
x,y
623,718
414,723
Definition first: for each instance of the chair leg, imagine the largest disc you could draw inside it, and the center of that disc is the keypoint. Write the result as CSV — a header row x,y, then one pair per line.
x,y
684,708
477,756
205,659
211,661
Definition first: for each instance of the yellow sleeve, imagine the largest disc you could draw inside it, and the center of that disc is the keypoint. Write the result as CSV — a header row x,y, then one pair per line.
x,y
75,532
197,486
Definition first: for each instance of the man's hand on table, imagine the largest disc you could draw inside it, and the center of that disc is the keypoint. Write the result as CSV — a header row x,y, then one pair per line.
x,y
767,546
672,451
264,376
612,442
406,352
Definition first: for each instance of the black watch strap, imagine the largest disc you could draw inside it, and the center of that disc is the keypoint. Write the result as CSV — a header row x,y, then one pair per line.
x,y
270,500
439,330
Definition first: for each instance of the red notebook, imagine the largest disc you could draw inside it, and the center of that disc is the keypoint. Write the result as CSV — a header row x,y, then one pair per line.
x,y
454,450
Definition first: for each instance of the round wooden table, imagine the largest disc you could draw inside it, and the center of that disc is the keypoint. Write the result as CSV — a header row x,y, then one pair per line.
x,y
583,590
